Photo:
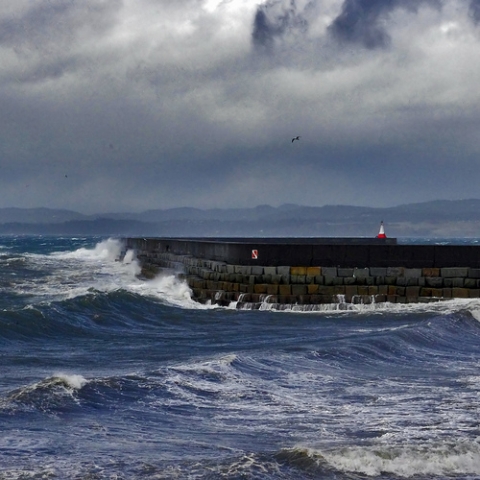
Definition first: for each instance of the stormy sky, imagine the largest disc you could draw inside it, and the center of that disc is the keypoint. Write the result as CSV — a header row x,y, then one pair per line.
x,y
129,105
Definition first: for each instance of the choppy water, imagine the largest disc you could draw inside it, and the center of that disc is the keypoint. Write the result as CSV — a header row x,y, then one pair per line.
x,y
105,376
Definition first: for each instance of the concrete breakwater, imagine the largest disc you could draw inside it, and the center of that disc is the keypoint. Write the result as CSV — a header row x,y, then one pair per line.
x,y
310,272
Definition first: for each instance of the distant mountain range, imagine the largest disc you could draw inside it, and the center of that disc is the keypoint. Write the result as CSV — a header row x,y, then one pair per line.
x,y
440,218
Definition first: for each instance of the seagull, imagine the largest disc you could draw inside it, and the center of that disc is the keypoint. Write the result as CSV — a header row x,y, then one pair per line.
x,y
296,138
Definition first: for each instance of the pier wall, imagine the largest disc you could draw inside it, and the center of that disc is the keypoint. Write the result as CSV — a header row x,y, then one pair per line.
x,y
313,271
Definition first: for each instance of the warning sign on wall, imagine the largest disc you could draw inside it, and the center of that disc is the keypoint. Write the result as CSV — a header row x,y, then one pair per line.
x,y
254,254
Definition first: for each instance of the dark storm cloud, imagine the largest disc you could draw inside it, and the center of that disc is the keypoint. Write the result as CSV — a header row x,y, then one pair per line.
x,y
474,10
273,20
361,21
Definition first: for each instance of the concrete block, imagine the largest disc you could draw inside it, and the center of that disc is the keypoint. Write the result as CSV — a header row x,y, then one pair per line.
x,y
474,293
430,272
345,272
395,272
383,290
284,272
223,268
319,280
299,290
269,270
434,282
437,292
378,272
276,279
349,280
329,271
272,290
350,292
339,290
257,270
314,271
460,293
260,288
309,279
446,292
338,281
470,283
412,272
412,291
323,290
454,272
402,281
458,283
312,289
304,299
326,298
400,291
362,272
285,289
362,290
298,270
328,280
300,279
474,272
390,280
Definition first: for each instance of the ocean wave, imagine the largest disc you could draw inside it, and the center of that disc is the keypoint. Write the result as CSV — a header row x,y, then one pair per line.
x,y
447,459
50,394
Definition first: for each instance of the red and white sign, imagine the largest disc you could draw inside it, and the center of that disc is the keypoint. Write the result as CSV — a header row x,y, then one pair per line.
x,y
254,254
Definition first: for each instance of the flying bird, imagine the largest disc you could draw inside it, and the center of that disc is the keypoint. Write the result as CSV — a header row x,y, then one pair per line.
x,y
296,138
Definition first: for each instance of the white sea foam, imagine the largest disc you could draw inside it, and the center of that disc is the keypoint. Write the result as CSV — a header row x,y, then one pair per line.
x,y
71,380
453,458
107,250
77,273
99,269
441,307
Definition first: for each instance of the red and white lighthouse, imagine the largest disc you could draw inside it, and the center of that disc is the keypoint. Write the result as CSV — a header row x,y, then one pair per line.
x,y
381,233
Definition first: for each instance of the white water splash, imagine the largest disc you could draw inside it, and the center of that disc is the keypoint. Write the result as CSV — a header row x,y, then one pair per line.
x,y
455,458
170,289
71,380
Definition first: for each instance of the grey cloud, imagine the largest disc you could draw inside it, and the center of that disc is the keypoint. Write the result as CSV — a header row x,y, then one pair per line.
x,y
275,18
361,21
46,38
49,23
474,10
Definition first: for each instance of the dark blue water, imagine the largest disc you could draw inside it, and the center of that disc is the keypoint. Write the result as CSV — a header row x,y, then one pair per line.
x,y
106,376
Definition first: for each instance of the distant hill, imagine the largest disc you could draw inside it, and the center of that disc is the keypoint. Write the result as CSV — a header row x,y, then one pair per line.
x,y
440,218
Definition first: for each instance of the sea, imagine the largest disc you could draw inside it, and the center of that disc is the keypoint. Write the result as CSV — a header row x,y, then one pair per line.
x,y
105,375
